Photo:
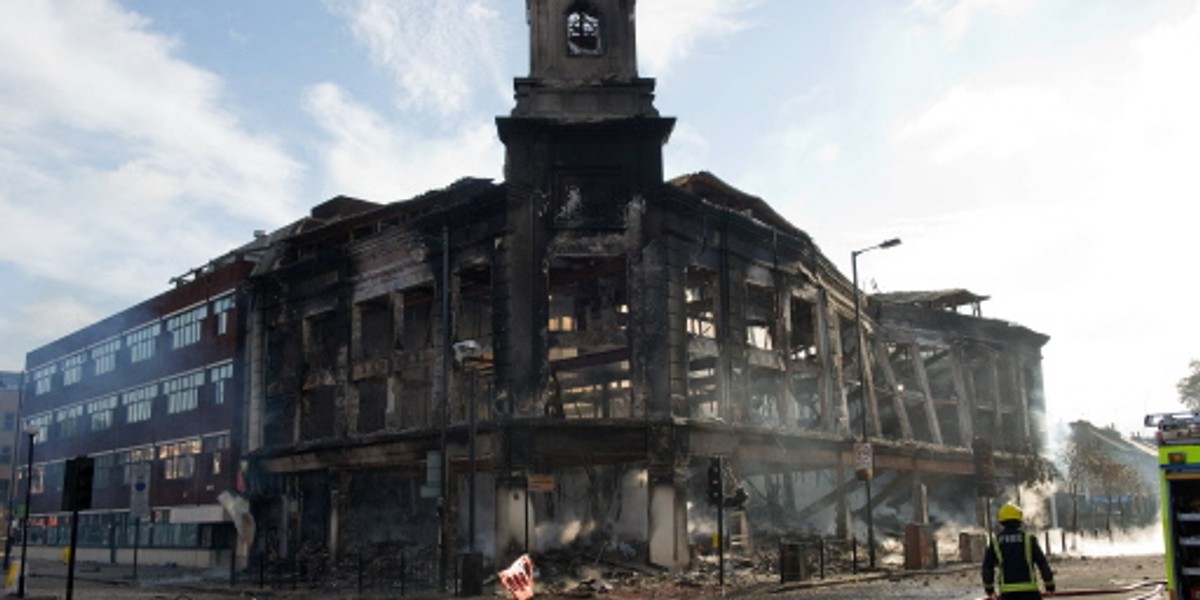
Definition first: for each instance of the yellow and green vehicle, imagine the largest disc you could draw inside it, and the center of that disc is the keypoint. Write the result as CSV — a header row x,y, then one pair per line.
x,y
1179,474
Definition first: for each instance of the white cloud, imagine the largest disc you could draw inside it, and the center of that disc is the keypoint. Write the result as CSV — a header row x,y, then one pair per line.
x,y
687,152
829,153
1000,122
956,17
668,31
55,313
373,159
114,148
120,165
437,51
1085,164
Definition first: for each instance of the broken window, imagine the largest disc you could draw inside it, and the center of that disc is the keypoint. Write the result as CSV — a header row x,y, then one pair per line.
x,y
804,331
583,31
372,404
588,348
320,342
700,293
375,328
760,316
415,388
317,408
473,329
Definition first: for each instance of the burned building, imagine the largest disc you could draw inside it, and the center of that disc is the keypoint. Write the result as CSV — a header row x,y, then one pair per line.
x,y
505,366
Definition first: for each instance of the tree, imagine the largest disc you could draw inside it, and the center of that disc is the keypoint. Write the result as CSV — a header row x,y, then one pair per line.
x,y
1089,466
1189,387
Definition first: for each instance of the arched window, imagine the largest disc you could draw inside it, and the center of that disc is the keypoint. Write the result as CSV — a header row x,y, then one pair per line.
x,y
583,31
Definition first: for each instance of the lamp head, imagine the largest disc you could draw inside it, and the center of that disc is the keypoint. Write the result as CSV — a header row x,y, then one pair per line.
x,y
890,243
32,429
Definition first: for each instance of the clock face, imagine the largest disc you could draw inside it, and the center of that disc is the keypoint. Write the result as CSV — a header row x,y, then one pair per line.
x,y
583,33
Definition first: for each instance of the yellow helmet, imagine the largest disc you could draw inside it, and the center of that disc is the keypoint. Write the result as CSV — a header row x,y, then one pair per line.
x,y
1010,512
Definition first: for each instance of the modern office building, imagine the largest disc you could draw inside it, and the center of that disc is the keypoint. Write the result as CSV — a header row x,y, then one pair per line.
x,y
158,384
10,405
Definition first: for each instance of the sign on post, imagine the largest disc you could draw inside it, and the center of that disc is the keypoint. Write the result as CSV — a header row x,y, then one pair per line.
x,y
864,461
139,490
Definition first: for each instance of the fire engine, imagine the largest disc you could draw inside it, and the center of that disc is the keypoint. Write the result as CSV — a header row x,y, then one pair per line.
x,y
1179,475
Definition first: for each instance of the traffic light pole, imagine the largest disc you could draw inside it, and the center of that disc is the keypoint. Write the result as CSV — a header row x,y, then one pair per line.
x,y
71,556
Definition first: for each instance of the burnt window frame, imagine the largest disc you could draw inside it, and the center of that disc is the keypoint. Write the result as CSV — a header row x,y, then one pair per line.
x,y
577,18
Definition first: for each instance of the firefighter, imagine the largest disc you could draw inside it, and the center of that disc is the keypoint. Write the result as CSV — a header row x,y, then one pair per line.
x,y
1015,553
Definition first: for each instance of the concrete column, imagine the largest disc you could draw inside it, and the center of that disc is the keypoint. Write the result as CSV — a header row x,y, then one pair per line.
x,y
667,520
842,516
514,520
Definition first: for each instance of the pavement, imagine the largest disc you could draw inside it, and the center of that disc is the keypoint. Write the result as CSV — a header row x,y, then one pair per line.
x,y
954,581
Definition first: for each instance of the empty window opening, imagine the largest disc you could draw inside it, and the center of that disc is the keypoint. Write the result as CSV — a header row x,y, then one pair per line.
x,y
375,328
700,294
415,388
803,331
760,317
583,31
588,346
372,404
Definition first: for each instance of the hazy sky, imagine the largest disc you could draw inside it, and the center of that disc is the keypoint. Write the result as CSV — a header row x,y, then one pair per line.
x,y
1042,152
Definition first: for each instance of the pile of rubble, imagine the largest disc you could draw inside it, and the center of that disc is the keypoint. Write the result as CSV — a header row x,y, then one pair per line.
x,y
620,570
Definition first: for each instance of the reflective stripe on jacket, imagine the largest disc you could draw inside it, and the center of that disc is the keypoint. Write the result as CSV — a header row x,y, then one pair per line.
x,y
1014,577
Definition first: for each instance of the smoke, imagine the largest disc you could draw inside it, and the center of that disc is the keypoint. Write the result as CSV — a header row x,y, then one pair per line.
x,y
1135,542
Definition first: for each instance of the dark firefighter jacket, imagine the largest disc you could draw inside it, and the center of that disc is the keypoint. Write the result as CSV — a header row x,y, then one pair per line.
x,y
1016,553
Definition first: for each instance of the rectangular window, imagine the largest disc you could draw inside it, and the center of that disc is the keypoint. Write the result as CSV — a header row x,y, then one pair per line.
x,y
221,308
73,369
104,464
179,458
183,392
104,356
131,457
138,403
69,420
141,343
42,422
43,379
10,421
219,377
185,327
6,455
101,412
37,483
216,446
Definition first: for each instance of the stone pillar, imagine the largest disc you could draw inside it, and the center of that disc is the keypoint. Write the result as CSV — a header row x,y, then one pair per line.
x,y
514,520
667,519
841,518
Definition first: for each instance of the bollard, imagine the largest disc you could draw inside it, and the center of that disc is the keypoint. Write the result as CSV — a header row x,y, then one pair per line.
x,y
821,549
854,555
790,562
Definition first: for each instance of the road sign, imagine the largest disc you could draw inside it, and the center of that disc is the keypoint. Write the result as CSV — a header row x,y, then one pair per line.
x,y
540,483
139,490
864,461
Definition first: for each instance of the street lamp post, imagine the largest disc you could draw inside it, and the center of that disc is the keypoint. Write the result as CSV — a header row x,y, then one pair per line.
x,y
31,431
862,385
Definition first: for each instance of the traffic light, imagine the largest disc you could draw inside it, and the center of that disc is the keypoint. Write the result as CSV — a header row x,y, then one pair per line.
x,y
716,490
77,483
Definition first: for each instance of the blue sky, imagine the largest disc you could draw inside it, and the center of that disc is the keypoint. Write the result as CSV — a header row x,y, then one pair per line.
x,y
1042,152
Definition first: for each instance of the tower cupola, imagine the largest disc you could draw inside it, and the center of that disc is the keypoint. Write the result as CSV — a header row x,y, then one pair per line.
x,y
583,62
